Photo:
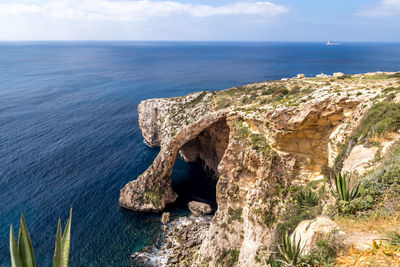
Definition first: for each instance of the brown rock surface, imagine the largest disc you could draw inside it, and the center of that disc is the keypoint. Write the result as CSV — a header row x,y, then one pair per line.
x,y
199,208
257,143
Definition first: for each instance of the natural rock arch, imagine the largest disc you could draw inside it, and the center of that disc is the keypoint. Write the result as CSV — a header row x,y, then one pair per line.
x,y
206,139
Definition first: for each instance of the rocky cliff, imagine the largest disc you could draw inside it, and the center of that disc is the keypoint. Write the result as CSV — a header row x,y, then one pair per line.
x,y
261,141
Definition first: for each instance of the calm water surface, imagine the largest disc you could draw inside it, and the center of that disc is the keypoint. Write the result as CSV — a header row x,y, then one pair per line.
x,y
69,134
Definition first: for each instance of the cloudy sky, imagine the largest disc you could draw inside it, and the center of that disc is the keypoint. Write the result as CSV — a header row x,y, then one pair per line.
x,y
202,20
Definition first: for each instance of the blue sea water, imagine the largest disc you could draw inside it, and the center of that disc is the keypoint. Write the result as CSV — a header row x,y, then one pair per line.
x,y
69,134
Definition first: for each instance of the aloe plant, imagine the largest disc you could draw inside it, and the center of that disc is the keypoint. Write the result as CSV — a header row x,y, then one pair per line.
x,y
342,187
22,253
290,251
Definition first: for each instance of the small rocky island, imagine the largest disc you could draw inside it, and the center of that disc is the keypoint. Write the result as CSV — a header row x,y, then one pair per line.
x,y
276,148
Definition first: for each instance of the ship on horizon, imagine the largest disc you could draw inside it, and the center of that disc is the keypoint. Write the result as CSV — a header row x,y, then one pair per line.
x,y
332,43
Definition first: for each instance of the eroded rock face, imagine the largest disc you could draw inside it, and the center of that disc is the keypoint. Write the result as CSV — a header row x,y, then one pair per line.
x,y
151,113
209,146
257,144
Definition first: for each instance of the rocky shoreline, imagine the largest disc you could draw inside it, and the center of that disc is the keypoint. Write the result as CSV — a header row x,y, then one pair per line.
x,y
181,239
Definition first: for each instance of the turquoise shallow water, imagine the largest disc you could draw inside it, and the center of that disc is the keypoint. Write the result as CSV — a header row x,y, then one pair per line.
x,y
69,134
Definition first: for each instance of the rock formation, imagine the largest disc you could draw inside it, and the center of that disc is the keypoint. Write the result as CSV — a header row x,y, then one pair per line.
x,y
258,139
308,232
199,208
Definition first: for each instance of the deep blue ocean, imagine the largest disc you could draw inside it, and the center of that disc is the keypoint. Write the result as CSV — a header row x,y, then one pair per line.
x,y
69,134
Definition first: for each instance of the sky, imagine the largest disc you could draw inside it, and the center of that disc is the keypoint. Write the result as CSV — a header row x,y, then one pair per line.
x,y
201,20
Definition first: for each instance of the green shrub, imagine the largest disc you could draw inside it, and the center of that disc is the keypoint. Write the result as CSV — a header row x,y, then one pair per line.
x,y
154,196
228,257
234,214
393,238
22,253
381,118
197,100
259,143
249,100
344,77
324,254
223,102
276,90
396,75
296,89
295,213
390,89
267,215
383,184
390,97
242,131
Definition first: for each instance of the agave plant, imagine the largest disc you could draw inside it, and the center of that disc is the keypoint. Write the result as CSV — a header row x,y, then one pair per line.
x,y
22,253
342,187
290,251
307,198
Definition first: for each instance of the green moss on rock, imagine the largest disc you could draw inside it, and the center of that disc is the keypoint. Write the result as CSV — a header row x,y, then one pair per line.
x,y
228,257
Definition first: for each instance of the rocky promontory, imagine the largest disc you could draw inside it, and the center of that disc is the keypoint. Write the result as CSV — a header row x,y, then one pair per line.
x,y
266,143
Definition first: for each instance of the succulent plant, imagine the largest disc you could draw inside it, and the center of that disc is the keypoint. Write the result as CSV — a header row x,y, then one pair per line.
x,y
22,253
307,198
290,251
342,187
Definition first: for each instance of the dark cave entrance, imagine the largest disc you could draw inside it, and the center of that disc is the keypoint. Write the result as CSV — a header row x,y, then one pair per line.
x,y
191,181
195,173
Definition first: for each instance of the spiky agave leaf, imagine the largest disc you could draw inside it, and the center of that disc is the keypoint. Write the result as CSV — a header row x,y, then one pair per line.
x,y
57,259
338,186
345,183
25,248
15,257
355,192
62,246
290,251
66,240
296,250
342,188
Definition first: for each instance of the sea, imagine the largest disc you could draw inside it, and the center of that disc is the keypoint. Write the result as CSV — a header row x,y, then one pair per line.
x,y
69,134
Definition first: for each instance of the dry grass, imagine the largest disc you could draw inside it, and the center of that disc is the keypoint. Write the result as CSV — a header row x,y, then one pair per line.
x,y
379,224
380,254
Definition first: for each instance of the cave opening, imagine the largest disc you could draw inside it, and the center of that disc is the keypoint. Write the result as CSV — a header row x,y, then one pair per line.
x,y
195,174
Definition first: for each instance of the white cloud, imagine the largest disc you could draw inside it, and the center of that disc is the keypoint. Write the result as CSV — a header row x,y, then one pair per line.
x,y
123,10
381,9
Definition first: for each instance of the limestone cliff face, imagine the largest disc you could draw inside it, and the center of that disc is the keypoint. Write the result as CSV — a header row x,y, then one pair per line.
x,y
259,139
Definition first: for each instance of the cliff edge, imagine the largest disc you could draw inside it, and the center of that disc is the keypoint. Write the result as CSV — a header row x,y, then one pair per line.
x,y
261,140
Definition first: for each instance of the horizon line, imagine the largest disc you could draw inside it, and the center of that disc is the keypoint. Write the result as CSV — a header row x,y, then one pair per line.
x,y
199,41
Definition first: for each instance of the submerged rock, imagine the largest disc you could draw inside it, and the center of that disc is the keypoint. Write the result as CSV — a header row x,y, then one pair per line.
x,y
199,208
165,218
